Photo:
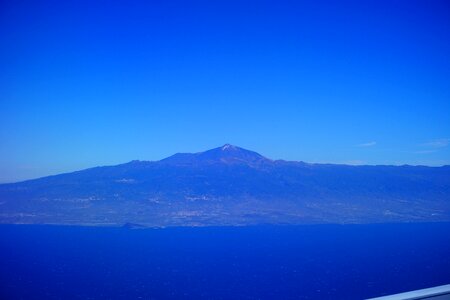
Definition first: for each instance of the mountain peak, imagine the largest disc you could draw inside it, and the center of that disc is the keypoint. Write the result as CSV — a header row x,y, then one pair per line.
x,y
228,147
228,154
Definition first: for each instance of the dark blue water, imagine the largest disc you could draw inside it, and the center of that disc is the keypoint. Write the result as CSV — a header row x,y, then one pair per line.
x,y
263,262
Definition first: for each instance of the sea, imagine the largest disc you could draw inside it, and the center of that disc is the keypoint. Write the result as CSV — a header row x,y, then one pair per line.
x,y
247,262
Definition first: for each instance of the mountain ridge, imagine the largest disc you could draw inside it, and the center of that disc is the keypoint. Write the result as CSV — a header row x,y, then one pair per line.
x,y
174,159
230,185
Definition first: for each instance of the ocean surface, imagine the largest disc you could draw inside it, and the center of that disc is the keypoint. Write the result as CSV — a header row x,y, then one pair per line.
x,y
258,262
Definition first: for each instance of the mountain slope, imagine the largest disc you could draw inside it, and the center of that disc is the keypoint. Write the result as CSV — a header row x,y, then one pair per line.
x,y
230,186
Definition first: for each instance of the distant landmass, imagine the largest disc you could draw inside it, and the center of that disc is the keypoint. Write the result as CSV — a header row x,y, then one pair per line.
x,y
229,185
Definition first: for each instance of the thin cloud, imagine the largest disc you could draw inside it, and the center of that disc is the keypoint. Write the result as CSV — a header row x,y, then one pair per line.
x,y
355,162
438,143
425,151
368,144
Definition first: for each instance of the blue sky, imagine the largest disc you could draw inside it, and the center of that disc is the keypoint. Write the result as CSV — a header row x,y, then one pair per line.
x,y
87,83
